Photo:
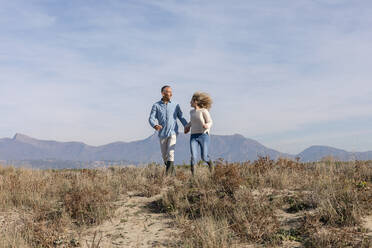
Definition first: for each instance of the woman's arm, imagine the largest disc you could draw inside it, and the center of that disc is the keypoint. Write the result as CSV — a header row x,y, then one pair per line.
x,y
207,119
188,125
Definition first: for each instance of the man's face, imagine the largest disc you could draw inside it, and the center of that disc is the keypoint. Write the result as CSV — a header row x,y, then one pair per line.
x,y
167,93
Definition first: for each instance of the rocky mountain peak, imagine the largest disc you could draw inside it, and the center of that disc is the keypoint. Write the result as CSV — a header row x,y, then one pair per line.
x,y
22,138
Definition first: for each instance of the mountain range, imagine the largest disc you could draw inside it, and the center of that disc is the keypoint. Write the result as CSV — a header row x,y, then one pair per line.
x,y
232,148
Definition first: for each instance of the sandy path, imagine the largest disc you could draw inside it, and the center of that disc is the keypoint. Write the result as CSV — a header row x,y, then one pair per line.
x,y
135,224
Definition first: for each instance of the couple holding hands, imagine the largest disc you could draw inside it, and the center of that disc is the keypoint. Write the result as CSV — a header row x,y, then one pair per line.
x,y
163,118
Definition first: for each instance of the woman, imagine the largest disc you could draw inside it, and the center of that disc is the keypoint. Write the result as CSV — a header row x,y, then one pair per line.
x,y
200,124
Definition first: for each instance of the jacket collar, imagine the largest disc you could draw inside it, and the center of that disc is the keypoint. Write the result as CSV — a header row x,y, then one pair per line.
x,y
161,100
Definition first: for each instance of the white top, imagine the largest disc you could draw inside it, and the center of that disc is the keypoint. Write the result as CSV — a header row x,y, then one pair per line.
x,y
199,117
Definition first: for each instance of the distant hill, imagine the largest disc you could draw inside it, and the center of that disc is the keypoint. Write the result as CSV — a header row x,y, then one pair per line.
x,y
229,147
315,153
232,148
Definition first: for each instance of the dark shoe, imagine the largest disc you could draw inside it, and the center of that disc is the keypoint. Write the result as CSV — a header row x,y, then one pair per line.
x,y
167,167
210,165
192,169
172,170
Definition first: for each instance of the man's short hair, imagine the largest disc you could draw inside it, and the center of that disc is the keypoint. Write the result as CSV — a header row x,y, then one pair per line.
x,y
165,86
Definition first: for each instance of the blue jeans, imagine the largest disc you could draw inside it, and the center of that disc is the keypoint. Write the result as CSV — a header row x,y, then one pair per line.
x,y
202,140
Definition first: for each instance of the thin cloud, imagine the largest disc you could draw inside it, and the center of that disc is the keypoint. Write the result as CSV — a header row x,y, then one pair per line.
x,y
91,72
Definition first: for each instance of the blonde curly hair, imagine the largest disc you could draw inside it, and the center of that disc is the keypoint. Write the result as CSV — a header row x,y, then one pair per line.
x,y
202,99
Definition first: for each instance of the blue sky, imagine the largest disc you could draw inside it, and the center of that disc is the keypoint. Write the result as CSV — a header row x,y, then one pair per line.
x,y
289,74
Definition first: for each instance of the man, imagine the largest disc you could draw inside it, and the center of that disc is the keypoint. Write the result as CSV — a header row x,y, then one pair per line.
x,y
163,118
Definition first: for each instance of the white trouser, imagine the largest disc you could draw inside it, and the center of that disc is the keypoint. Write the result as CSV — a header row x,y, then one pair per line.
x,y
167,148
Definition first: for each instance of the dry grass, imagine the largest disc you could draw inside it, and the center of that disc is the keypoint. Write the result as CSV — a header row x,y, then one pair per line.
x,y
50,201
236,203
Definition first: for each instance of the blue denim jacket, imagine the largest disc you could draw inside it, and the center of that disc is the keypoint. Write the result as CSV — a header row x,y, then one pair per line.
x,y
166,115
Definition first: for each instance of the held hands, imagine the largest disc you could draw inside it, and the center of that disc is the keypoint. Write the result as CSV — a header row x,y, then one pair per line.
x,y
187,129
158,127
205,126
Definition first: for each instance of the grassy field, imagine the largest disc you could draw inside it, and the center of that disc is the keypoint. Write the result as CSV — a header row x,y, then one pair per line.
x,y
264,203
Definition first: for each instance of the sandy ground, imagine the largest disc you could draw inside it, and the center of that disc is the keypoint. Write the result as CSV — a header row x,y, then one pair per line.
x,y
136,223
367,223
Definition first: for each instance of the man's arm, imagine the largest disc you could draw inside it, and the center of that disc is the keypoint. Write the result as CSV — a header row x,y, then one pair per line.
x,y
152,117
180,115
